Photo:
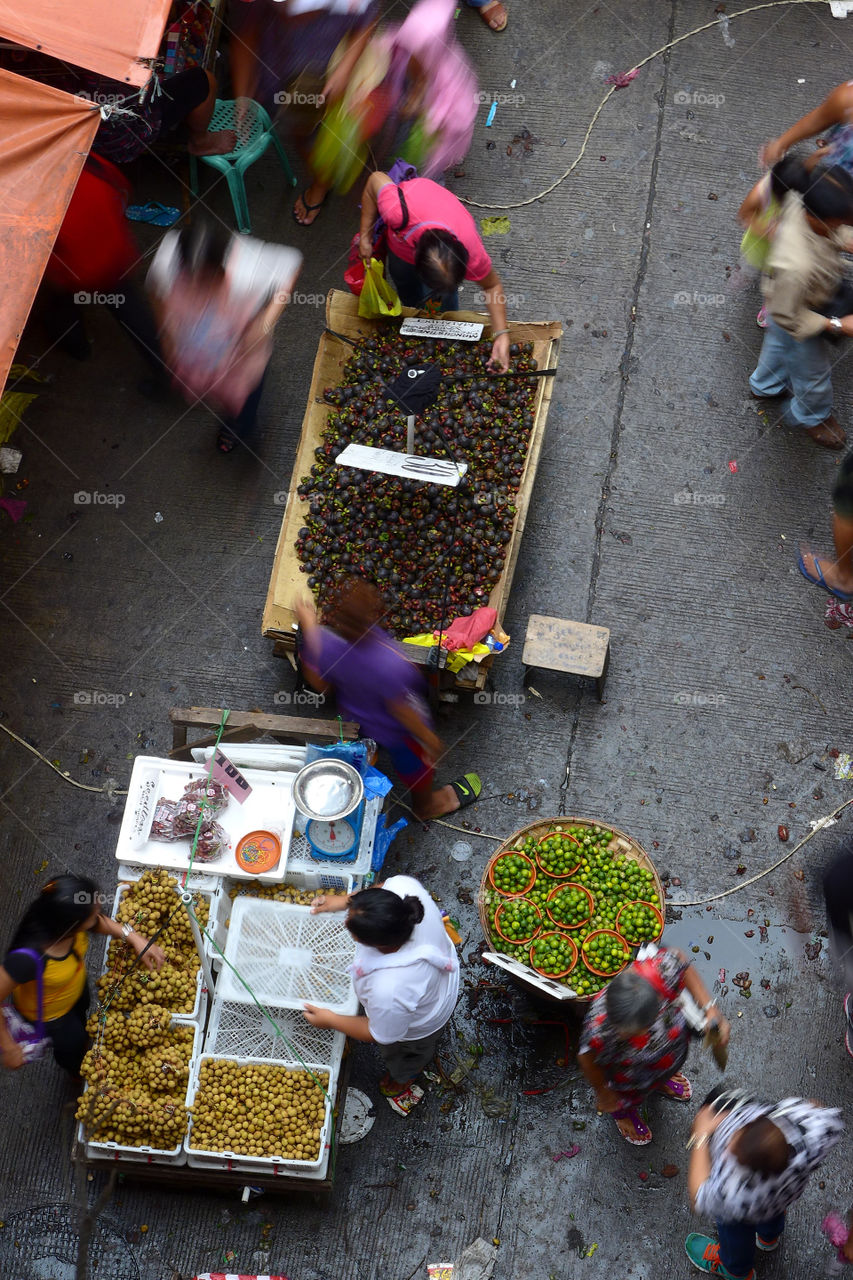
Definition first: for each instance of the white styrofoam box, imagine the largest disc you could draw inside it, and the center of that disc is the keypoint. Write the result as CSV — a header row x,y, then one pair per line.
x,y
143,1155
549,986
199,1008
218,904
270,807
256,755
199,1158
301,856
287,956
243,1029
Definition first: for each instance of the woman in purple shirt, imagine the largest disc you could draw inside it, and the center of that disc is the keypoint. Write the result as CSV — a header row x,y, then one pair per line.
x,y
377,686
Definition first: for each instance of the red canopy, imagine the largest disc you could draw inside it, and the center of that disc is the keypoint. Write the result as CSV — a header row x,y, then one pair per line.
x,y
45,136
107,36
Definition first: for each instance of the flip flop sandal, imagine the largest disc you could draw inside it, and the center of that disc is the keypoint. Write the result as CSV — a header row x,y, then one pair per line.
x,y
820,581
641,1129
483,10
761,318
678,1088
406,1101
309,208
225,442
468,789
154,213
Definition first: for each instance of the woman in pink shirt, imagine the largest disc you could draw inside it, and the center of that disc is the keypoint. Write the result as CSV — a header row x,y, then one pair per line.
x,y
433,245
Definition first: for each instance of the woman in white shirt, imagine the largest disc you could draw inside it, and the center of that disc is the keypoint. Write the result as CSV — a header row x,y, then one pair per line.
x,y
406,977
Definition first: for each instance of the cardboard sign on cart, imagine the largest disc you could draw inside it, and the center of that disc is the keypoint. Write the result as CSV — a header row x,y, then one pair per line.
x,y
287,583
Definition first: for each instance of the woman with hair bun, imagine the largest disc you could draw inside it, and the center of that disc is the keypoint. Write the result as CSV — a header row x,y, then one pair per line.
x,y
48,952
406,977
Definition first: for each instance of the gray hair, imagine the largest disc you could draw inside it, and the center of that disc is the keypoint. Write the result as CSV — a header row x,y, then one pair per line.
x,y
632,1002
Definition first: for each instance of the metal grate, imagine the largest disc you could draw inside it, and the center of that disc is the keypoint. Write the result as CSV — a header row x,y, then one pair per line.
x,y
286,956
42,1244
242,1029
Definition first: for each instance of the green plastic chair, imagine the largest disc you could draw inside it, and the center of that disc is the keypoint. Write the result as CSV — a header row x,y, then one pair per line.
x,y
252,141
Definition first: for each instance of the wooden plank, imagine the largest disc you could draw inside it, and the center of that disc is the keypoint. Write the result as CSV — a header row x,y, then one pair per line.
x,y
287,728
287,583
185,750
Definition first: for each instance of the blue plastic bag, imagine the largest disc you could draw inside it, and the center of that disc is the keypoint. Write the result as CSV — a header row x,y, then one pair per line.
x,y
382,840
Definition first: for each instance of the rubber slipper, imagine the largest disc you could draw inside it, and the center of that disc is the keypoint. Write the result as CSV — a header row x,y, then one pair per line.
x,y
406,1101
225,442
484,9
468,789
678,1088
309,208
641,1129
820,581
154,213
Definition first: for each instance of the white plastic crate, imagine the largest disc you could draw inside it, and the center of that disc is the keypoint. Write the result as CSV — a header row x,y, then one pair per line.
x,y
301,857
243,1029
199,1008
218,903
270,807
287,956
257,755
144,1155
200,1159
307,881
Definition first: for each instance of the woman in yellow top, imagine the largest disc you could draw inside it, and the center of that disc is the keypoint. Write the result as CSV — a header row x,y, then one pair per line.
x,y
57,926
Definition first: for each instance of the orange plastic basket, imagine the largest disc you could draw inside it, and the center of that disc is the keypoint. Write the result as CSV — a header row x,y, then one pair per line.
x,y
598,933
568,884
651,907
554,933
519,893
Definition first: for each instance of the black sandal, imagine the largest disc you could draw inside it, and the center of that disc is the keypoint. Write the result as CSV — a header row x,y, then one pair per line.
x,y
225,442
309,208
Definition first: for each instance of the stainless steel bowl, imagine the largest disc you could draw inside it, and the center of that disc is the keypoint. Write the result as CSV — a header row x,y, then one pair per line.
x,y
328,789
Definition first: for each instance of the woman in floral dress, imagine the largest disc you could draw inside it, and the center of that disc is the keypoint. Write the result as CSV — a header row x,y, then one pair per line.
x,y
635,1038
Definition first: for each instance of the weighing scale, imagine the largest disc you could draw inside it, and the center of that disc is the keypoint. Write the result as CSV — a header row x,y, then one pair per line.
x,y
335,841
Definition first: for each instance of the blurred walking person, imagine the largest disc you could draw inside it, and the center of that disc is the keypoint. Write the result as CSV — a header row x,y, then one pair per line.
x,y
803,273
749,1163
217,297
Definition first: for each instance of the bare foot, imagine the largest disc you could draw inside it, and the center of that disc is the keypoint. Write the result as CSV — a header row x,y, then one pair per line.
x,y
441,802
494,15
306,208
817,567
220,143
634,1129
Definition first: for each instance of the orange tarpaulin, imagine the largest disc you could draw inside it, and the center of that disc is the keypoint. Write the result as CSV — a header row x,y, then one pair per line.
x,y
107,36
45,136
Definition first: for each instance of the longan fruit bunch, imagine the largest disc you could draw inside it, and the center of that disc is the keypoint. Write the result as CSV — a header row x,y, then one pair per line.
x,y
148,1025
258,1110
275,893
165,1069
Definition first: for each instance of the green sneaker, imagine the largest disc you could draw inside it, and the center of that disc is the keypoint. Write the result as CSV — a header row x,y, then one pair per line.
x,y
704,1253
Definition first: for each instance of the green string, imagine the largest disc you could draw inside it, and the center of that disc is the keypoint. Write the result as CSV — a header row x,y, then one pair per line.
x,y
340,720
204,804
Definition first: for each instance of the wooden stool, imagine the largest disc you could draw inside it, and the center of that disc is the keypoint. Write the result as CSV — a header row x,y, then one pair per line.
x,y
555,644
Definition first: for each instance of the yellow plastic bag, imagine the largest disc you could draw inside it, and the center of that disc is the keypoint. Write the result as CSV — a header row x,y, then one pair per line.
x,y
378,299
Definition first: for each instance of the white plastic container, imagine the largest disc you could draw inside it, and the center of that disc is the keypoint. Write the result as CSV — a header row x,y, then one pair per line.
x,y
287,955
144,1155
237,1029
218,904
201,1159
270,807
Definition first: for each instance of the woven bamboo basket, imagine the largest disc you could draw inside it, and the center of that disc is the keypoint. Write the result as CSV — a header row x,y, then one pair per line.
x,y
621,843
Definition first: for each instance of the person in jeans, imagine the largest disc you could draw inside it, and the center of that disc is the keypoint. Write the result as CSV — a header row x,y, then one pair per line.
x,y
804,270
433,245
406,977
748,1165
56,927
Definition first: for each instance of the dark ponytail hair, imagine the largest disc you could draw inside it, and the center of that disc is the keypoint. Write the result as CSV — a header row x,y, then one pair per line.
x,y
203,247
827,190
63,906
379,918
441,261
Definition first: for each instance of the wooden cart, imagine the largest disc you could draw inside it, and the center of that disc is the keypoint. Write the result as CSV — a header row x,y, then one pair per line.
x,y
287,583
